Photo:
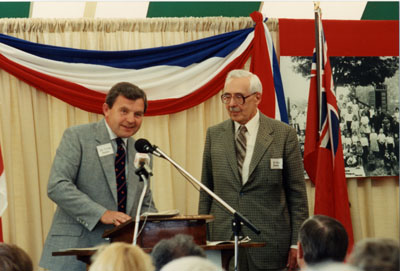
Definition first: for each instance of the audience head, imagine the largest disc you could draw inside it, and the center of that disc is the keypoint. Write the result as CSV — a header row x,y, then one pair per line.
x,y
191,263
13,258
121,257
321,238
331,266
376,254
176,247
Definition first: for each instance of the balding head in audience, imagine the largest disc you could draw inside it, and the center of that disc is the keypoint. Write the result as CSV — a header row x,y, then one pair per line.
x,y
321,238
176,247
376,254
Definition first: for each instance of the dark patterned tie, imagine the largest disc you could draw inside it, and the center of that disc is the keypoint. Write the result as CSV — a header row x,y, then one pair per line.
x,y
120,175
241,147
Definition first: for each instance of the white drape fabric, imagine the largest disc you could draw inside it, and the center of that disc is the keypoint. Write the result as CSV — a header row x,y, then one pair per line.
x,y
32,123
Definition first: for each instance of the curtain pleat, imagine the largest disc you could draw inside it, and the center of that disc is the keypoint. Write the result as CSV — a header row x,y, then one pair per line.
x,y
32,123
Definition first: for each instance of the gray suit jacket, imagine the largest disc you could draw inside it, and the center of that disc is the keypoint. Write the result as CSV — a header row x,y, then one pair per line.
x,y
83,186
275,200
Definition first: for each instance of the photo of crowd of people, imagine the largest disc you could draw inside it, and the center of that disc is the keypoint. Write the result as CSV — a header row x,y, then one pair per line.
x,y
370,137
369,120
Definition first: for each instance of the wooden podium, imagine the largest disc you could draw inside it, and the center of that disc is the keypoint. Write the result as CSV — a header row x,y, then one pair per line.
x,y
157,228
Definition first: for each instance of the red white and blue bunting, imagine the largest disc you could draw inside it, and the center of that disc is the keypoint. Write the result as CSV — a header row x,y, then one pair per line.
x,y
174,78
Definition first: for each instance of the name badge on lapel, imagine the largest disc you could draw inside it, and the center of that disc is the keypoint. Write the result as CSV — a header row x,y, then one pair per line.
x,y
105,149
276,163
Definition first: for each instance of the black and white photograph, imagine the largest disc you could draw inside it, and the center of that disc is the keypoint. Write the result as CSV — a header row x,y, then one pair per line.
x,y
167,135
367,97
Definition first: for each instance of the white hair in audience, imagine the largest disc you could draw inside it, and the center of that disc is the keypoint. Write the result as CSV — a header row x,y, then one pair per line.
x,y
120,256
331,266
191,263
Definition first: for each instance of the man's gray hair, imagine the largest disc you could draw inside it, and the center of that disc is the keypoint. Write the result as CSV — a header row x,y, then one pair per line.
x,y
255,83
178,246
376,254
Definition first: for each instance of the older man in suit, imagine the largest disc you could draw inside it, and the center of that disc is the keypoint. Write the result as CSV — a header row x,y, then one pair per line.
x,y
254,164
93,179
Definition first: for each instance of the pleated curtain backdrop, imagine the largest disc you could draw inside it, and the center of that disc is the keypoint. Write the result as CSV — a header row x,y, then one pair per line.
x,y
32,123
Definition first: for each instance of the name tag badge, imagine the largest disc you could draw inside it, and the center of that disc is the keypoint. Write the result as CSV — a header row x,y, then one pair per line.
x,y
276,163
105,149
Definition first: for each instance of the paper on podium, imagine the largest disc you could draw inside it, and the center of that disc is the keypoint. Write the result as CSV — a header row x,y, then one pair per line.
x,y
167,213
214,243
80,248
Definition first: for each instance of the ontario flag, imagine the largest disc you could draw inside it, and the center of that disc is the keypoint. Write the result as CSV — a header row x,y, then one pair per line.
x,y
323,153
3,194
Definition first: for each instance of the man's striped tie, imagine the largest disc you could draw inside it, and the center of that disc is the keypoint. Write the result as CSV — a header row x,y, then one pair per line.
x,y
241,147
120,175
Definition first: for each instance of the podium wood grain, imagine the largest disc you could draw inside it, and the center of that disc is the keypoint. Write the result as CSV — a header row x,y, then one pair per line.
x,y
157,228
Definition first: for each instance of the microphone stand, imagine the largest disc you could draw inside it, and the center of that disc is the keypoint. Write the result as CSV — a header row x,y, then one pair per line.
x,y
238,218
143,174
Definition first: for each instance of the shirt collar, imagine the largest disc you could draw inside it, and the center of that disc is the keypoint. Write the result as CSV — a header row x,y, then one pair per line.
x,y
113,135
251,125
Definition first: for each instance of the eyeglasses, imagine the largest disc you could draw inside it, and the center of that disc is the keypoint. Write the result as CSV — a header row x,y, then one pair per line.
x,y
237,97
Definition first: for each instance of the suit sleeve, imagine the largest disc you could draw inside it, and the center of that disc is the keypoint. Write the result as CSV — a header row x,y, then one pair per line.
x,y
62,187
294,184
206,177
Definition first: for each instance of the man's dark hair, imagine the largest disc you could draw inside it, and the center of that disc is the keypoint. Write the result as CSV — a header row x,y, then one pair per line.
x,y
13,258
323,238
178,246
129,91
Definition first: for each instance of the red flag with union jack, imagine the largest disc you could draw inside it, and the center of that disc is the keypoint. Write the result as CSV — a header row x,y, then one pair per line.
x,y
323,153
3,194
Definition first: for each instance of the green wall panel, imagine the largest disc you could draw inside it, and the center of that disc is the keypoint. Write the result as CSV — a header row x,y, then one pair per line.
x,y
381,11
14,9
201,9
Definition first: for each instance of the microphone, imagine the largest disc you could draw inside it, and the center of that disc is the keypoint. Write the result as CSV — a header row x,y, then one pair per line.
x,y
143,145
142,160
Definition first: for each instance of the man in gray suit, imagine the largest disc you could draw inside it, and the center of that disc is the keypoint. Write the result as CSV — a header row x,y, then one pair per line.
x,y
83,180
258,170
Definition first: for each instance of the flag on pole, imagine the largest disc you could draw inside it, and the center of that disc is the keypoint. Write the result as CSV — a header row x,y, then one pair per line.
x,y
3,194
264,63
323,153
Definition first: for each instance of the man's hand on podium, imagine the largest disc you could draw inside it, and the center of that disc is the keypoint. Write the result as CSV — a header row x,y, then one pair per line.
x,y
114,217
